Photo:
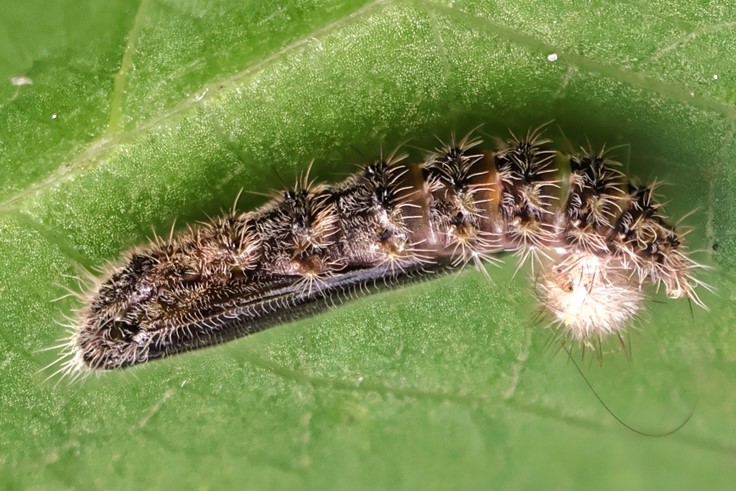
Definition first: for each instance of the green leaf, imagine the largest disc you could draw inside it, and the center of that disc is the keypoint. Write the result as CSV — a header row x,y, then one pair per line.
x,y
142,113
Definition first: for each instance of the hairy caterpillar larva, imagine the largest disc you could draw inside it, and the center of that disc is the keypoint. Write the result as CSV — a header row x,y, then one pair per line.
x,y
598,237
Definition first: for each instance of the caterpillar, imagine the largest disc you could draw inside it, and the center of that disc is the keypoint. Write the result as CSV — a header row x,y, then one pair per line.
x,y
598,237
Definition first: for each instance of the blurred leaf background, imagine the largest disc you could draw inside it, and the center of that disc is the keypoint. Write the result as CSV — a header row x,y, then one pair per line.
x,y
116,117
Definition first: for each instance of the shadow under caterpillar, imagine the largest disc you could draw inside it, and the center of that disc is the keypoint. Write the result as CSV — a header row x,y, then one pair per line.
x,y
598,237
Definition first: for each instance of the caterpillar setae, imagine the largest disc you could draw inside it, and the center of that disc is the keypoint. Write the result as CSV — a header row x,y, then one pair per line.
x,y
598,237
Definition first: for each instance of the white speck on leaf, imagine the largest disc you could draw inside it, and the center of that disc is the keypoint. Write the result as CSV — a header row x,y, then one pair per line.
x,y
200,96
552,57
19,80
